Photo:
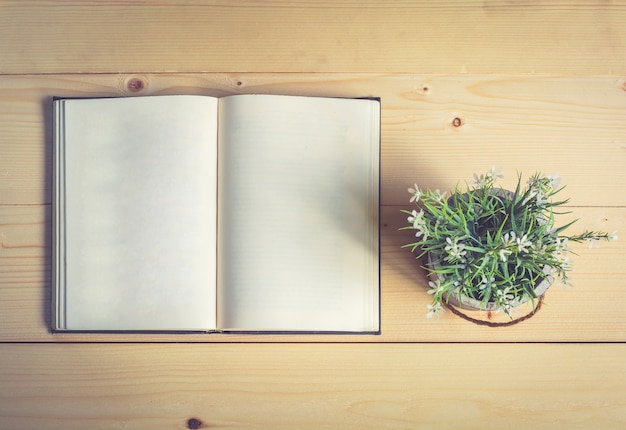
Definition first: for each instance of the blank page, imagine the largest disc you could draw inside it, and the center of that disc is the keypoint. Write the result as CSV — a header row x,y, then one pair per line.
x,y
298,214
137,207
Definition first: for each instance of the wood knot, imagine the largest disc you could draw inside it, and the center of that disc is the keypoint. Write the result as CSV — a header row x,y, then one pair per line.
x,y
194,423
457,122
136,84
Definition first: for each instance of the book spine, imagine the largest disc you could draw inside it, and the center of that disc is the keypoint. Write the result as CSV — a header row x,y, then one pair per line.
x,y
58,218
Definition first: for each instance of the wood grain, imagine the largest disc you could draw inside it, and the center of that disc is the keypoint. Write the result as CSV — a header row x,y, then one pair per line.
x,y
443,37
591,311
532,85
574,126
313,386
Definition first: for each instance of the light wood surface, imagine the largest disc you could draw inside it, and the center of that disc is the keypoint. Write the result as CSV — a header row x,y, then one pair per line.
x,y
535,85
357,386
442,37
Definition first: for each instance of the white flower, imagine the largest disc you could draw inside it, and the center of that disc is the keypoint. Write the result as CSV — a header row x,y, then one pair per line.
x,y
504,294
541,200
423,233
439,196
561,245
509,239
435,287
554,180
434,310
503,300
495,173
488,178
415,217
487,282
593,242
416,194
456,250
504,254
479,181
541,187
567,265
523,243
419,223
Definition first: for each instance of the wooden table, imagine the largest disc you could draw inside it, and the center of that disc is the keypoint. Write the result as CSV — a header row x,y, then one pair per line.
x,y
528,86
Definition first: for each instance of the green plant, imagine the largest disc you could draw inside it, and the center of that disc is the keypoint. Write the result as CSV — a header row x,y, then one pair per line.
x,y
490,244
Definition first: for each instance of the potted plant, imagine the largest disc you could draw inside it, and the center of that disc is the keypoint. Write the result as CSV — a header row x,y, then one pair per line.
x,y
492,249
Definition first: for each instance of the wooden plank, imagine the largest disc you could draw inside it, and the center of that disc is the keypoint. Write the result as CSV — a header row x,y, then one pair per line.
x,y
443,37
591,311
313,386
573,126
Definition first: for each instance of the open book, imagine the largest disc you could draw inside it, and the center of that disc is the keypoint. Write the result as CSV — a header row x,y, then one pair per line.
x,y
195,213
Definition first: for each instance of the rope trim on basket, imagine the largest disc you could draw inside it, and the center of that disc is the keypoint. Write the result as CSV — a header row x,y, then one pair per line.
x,y
495,324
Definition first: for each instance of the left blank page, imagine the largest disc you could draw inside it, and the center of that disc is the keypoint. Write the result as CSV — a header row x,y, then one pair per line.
x,y
135,182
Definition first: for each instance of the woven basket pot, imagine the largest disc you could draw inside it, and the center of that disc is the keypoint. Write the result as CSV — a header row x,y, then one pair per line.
x,y
487,313
469,303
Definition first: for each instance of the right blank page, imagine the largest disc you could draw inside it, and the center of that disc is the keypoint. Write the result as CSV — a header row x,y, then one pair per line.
x,y
298,214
